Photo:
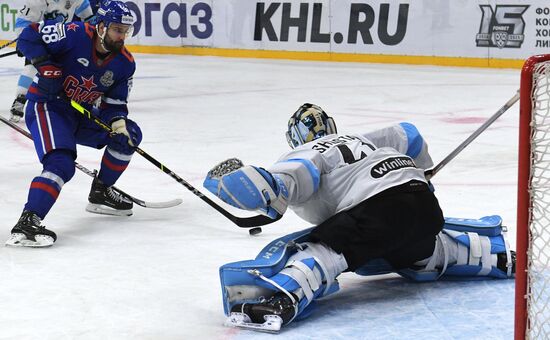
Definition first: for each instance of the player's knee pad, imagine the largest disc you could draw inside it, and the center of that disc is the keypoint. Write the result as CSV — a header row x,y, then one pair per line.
x,y
60,163
471,249
302,270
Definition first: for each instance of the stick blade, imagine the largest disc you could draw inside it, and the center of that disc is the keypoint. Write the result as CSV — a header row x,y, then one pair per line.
x,y
158,205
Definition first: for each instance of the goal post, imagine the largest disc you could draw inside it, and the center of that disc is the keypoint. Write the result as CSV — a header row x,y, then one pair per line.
x,y
532,297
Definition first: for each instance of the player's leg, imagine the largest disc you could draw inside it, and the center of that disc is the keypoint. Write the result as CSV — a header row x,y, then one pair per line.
x,y
52,135
466,255
103,199
281,283
25,80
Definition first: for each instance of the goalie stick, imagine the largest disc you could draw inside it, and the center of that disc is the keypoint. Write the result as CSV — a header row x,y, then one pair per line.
x,y
145,204
243,222
431,172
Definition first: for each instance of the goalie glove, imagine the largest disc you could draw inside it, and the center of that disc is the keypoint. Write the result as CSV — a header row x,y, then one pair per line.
x,y
248,187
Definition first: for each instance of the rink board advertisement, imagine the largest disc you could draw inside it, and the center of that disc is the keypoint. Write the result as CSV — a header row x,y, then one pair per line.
x,y
434,28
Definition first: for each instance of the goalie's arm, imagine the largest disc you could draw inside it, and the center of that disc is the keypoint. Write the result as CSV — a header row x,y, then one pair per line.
x,y
253,188
248,188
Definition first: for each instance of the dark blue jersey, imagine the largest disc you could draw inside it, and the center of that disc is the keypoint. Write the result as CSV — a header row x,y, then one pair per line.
x,y
87,78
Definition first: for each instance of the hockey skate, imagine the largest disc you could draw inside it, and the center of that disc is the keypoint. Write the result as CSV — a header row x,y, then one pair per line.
x,y
503,264
18,108
107,201
28,232
265,316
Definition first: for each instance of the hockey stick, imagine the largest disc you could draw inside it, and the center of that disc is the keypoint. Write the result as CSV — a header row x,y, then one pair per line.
x,y
243,222
145,204
8,43
430,173
8,54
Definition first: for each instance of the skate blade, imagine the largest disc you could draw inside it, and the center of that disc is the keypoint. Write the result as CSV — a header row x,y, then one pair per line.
x,y
20,240
272,323
105,210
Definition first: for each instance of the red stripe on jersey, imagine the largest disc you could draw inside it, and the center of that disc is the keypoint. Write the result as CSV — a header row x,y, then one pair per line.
x,y
113,166
46,138
127,54
34,90
34,26
89,29
45,187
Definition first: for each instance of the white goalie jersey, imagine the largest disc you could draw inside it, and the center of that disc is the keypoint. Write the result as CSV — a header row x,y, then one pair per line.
x,y
336,172
61,10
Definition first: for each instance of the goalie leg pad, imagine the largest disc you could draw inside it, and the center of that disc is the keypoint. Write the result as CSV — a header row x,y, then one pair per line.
x,y
460,255
486,226
240,286
301,270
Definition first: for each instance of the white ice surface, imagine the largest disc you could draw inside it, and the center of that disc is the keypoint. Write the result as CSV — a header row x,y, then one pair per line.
x,y
155,275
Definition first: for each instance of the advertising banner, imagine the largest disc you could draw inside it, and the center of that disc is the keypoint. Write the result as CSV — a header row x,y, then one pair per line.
x,y
492,29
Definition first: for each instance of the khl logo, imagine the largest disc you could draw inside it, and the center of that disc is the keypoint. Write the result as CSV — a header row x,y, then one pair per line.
x,y
501,27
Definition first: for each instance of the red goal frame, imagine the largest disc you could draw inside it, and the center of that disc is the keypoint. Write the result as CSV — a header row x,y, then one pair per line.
x,y
524,201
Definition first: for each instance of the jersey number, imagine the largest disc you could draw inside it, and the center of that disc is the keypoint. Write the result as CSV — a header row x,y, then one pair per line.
x,y
53,33
349,157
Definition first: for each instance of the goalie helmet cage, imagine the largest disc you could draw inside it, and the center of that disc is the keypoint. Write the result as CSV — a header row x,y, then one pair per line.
x,y
532,299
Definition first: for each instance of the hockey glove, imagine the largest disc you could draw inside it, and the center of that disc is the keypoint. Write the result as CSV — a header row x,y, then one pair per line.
x,y
250,188
50,80
125,136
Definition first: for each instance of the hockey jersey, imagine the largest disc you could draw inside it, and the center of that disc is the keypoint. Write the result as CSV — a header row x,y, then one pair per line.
x,y
57,10
336,172
87,78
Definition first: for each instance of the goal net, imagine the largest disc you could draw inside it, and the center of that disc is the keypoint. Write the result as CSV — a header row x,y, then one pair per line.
x,y
532,315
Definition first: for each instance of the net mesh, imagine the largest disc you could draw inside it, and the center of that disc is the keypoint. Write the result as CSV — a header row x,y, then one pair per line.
x,y
538,274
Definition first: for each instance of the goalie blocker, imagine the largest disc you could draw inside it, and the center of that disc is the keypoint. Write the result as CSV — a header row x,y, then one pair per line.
x,y
282,283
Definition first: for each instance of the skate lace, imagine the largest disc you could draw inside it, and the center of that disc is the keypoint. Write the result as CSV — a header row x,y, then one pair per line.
x,y
37,221
116,196
33,221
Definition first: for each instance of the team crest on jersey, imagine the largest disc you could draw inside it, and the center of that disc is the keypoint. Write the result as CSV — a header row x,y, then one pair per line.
x,y
72,27
107,78
81,91
67,4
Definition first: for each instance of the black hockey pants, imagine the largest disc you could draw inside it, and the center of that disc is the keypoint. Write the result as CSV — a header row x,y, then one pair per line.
x,y
398,225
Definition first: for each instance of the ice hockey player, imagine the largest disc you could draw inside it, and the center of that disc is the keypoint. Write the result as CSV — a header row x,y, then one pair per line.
x,y
41,10
374,213
87,64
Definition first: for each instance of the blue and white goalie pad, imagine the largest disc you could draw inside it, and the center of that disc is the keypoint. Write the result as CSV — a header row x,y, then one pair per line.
x,y
303,271
467,249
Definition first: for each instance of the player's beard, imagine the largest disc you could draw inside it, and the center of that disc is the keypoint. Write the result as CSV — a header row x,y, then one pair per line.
x,y
113,46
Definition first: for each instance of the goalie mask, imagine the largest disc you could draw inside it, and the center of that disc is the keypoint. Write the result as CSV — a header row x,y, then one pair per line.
x,y
309,123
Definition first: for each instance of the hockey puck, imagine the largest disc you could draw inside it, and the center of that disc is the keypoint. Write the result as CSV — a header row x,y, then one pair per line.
x,y
255,231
